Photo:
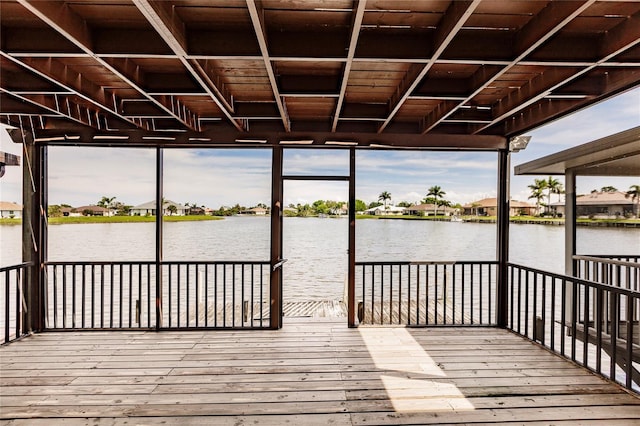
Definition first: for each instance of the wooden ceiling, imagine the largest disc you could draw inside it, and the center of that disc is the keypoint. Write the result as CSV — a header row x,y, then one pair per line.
x,y
406,73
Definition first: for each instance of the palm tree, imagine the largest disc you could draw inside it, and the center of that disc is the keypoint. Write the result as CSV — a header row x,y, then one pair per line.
x,y
172,209
436,192
384,197
107,203
537,191
553,187
634,194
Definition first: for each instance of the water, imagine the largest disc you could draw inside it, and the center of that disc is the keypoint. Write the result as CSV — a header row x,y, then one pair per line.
x,y
316,249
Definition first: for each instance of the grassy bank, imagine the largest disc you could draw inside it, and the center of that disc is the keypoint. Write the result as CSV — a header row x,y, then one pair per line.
x,y
113,219
632,223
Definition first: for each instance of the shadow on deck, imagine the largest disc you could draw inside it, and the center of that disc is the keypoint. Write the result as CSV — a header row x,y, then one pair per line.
x,y
313,371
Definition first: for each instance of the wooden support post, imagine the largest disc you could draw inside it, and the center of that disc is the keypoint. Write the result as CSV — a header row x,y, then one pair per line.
x,y
34,228
351,291
275,316
159,241
569,239
503,238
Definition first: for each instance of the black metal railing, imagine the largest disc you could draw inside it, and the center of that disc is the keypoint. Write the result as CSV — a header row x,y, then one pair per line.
x,y
216,294
13,301
620,271
124,295
593,324
426,293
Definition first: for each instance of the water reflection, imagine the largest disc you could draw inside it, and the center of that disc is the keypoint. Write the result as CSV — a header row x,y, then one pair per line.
x,y
317,248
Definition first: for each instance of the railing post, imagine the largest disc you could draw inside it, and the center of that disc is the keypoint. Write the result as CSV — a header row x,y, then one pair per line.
x,y
159,217
34,229
570,265
351,275
275,317
502,305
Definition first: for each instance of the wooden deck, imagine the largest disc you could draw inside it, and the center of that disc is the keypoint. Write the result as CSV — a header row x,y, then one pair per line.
x,y
313,371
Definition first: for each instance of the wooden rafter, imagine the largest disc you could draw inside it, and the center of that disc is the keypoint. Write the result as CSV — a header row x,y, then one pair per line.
x,y
64,21
549,22
358,15
171,29
257,19
451,23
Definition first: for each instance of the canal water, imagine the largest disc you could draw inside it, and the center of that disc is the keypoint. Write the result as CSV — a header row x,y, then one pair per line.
x,y
316,248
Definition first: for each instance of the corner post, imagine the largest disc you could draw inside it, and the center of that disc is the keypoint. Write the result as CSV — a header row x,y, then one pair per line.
x,y
159,241
275,291
504,160
34,229
569,239
351,291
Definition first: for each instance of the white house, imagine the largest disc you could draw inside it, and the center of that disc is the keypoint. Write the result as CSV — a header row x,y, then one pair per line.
x,y
256,211
382,211
149,209
10,210
429,210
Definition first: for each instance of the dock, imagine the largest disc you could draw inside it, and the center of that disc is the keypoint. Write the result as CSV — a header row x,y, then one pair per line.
x,y
312,372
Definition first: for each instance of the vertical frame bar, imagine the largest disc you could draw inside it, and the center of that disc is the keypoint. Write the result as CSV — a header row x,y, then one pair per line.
x,y
351,274
159,241
275,316
503,236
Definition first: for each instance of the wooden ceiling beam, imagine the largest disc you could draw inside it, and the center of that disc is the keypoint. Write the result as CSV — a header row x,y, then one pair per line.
x,y
452,21
58,16
75,83
553,18
62,106
619,39
356,24
172,30
233,138
257,19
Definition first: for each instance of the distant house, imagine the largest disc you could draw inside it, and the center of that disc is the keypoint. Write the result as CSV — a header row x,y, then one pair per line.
x,y
489,207
10,210
149,209
196,211
89,211
382,211
602,205
429,210
343,210
257,211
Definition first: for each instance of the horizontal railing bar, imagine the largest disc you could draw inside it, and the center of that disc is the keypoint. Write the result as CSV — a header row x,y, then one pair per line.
x,y
580,281
166,262
428,262
14,267
607,261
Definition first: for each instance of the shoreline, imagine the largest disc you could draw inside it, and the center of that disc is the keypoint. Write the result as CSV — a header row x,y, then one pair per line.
x,y
113,219
602,223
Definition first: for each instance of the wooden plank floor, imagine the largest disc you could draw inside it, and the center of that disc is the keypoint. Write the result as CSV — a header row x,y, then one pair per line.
x,y
313,371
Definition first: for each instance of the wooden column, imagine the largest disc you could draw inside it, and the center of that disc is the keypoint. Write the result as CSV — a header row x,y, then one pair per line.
x,y
159,241
569,239
275,316
34,228
502,305
351,291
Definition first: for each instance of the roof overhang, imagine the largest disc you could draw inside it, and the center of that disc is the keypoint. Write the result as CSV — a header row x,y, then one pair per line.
x,y
614,155
406,74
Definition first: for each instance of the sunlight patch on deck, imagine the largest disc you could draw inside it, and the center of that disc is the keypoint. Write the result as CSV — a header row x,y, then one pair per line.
x,y
395,350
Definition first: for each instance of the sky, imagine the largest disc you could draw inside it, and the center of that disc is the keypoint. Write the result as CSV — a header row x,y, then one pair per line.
x,y
225,177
